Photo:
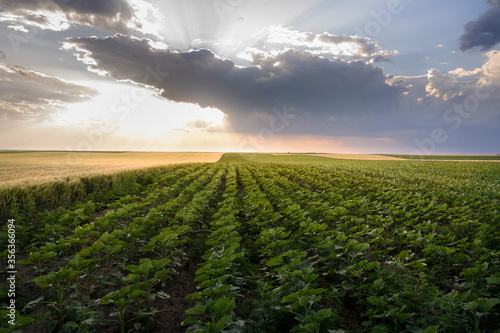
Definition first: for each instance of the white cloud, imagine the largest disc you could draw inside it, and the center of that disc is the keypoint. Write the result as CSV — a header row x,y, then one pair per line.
x,y
441,86
491,69
19,28
278,39
460,72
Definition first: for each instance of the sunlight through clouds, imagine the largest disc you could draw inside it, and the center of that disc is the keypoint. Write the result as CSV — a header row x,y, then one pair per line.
x,y
158,117
277,39
228,28
147,17
197,71
150,117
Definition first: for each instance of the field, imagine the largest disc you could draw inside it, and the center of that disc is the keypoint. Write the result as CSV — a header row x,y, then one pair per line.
x,y
263,243
448,157
41,167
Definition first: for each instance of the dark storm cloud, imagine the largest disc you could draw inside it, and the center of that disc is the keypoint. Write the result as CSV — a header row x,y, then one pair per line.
x,y
115,15
306,83
29,95
484,32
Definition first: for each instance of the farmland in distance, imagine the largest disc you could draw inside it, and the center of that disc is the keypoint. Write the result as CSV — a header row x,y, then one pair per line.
x,y
266,243
35,167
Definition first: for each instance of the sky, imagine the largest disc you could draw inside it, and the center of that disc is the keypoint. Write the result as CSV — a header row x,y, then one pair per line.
x,y
344,76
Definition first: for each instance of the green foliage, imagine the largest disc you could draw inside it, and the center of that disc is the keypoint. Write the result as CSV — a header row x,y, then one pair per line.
x,y
299,246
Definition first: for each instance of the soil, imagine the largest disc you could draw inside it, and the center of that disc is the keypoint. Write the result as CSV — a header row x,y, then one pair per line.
x,y
29,291
351,317
102,212
172,310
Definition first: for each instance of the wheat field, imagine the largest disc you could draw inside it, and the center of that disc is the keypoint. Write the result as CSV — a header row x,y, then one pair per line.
x,y
31,168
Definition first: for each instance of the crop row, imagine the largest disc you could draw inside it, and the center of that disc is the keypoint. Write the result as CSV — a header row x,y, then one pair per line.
x,y
278,248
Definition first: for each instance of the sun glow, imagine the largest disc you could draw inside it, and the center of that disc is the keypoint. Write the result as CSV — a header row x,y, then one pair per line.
x,y
159,117
226,30
147,117
148,17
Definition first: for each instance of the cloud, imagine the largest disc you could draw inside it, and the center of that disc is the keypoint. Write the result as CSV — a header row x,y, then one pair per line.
x,y
491,69
305,92
19,28
278,39
114,15
460,72
436,87
441,86
29,95
305,83
484,32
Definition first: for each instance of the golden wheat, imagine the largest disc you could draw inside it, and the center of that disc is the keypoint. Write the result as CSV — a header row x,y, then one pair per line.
x,y
30,168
